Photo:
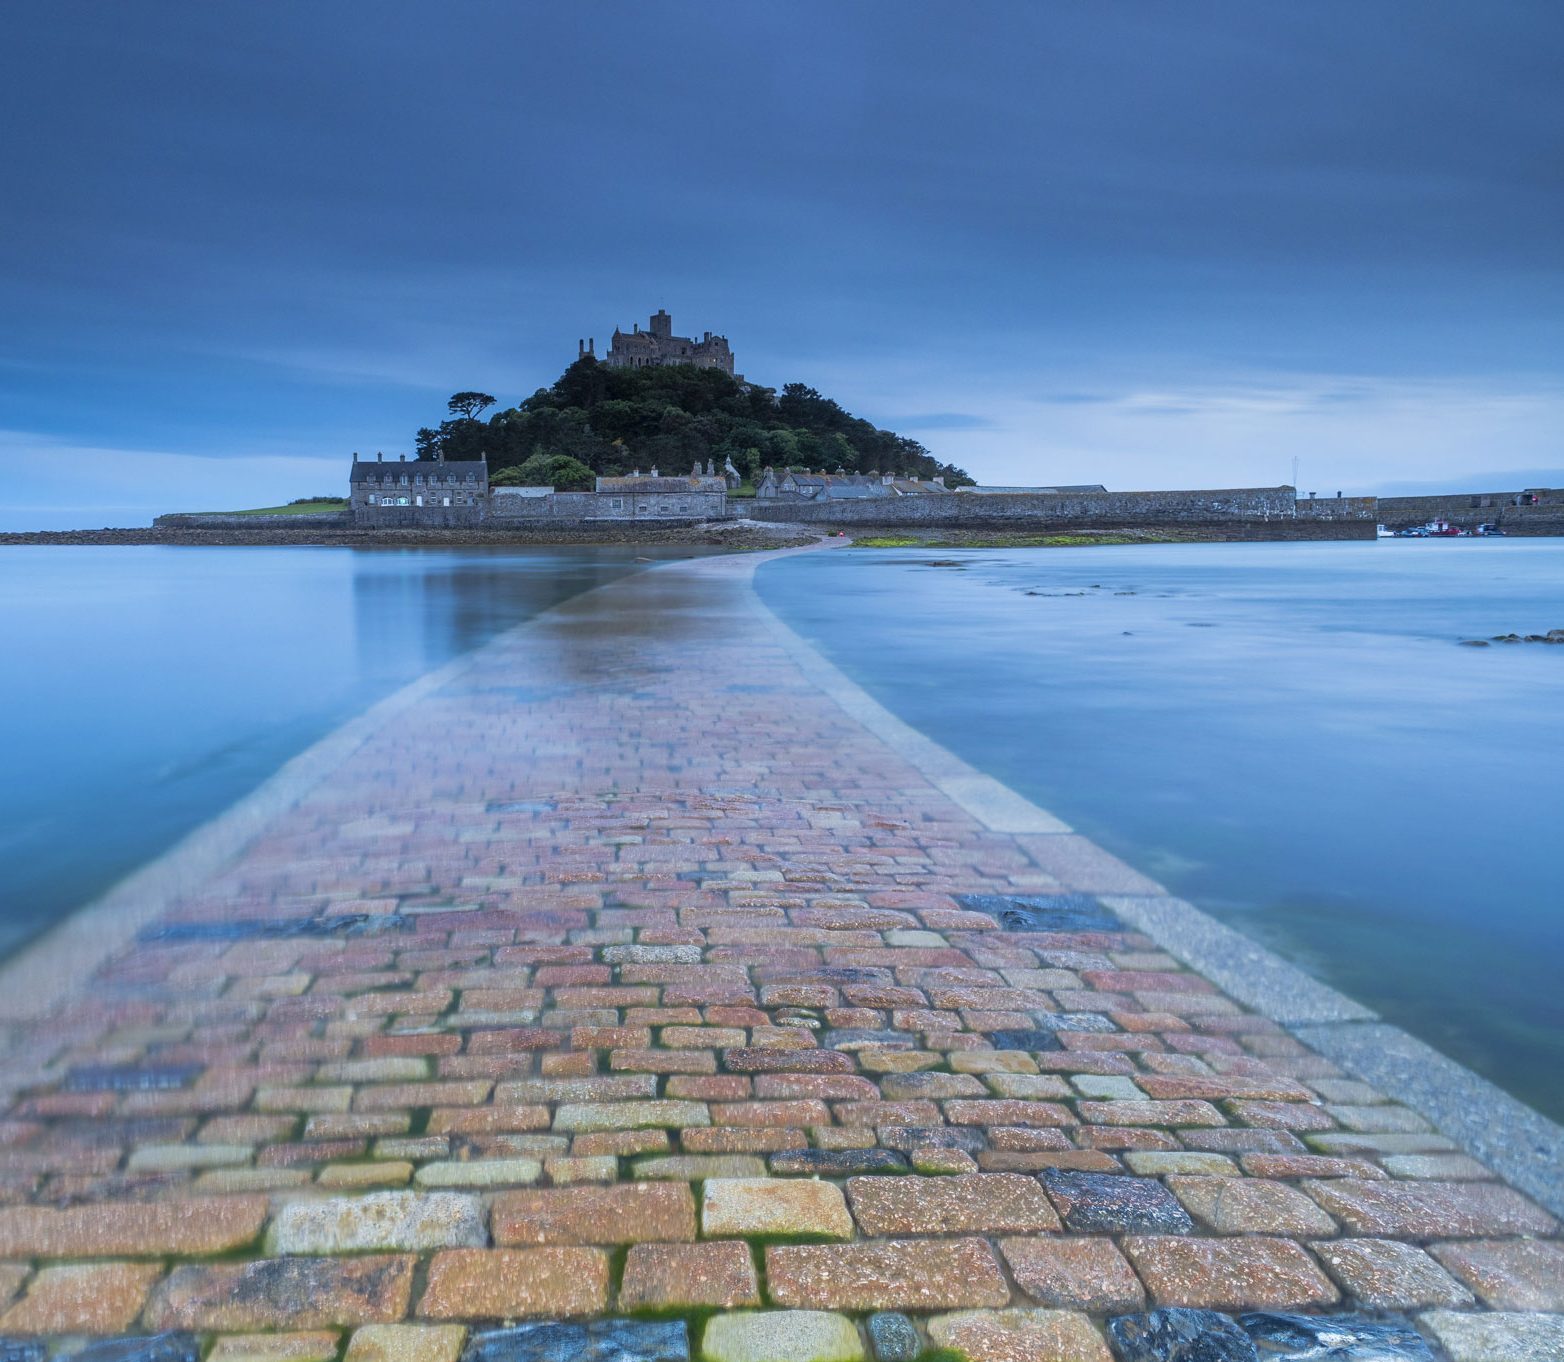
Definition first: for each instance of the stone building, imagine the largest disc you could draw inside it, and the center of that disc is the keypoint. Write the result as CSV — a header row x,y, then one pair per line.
x,y
658,345
791,485
418,491
697,495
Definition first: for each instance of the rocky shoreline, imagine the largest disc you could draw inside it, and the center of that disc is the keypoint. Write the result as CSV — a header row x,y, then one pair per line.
x,y
732,534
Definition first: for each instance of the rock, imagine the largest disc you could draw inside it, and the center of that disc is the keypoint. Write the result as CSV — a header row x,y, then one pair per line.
x,y
598,1340
893,1337
1109,1203
170,1347
408,1221
1180,1336
837,1162
22,1350
1332,1338
1019,1336
775,1207
406,1343
128,1078
1474,643
1025,1040
859,1038
1074,1021
781,1336
969,1138
1044,912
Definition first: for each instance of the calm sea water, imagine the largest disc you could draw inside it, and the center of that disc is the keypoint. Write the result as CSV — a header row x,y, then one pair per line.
x,y
1288,735
143,690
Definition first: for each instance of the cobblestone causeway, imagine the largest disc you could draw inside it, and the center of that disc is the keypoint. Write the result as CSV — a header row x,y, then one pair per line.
x,y
626,984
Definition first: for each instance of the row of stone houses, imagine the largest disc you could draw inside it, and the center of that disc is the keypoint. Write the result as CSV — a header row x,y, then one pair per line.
x,y
403,492
421,483
802,485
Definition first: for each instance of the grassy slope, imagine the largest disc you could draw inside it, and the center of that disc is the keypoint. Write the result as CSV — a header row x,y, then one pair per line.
x,y
300,508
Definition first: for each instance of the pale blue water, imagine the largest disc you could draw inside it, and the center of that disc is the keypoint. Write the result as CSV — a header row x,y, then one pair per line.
x,y
1288,735
143,690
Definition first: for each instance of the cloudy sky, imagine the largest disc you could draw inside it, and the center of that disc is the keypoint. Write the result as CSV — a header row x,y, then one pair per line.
x,y
1127,242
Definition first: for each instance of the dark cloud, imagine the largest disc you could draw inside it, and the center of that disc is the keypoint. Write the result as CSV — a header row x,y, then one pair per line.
x,y
310,220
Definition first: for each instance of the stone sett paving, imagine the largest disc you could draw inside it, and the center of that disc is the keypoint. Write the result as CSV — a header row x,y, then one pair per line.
x,y
627,1000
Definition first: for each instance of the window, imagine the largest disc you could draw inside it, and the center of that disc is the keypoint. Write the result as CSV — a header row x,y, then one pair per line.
x,y
373,499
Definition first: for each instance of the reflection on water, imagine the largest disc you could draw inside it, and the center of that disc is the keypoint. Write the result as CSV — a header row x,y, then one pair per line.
x,y
1288,735
145,689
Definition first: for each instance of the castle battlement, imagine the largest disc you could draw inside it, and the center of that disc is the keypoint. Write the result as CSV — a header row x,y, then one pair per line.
x,y
657,345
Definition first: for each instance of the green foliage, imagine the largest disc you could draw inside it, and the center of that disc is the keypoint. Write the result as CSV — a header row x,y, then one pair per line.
x,y
319,501
617,420
469,405
558,471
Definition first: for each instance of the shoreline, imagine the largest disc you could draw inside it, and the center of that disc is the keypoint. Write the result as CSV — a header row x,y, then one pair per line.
x,y
739,534
734,534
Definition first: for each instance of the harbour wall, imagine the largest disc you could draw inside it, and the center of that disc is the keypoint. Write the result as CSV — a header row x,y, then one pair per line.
x,y
1468,510
979,510
218,520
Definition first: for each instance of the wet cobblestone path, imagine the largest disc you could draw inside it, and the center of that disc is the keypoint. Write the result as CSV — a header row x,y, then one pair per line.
x,y
626,998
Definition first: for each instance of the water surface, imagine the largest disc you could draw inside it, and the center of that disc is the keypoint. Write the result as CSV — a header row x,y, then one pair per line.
x,y
1288,735
143,689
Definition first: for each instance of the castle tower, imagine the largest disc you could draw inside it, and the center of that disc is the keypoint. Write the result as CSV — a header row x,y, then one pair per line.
x,y
662,324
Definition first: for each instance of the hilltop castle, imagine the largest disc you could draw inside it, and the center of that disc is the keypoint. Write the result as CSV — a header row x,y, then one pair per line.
x,y
658,345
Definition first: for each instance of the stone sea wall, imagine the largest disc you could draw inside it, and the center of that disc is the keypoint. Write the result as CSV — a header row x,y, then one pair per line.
x,y
1338,508
1044,510
216,520
1467,510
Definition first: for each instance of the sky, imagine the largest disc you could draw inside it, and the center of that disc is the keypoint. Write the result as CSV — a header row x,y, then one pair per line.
x,y
1129,242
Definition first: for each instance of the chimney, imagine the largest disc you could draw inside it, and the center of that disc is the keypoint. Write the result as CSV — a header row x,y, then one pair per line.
x,y
888,479
654,470
402,457
379,457
939,481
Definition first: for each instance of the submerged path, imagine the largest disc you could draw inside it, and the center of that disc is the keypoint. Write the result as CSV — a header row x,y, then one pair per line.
x,y
636,989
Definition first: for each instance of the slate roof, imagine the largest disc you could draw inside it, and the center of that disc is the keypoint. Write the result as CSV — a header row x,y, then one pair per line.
x,y
371,470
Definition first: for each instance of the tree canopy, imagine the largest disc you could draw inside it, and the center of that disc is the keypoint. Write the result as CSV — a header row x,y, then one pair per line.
x,y
617,420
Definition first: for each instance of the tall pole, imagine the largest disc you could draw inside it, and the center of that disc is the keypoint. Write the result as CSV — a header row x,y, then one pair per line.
x,y
1295,474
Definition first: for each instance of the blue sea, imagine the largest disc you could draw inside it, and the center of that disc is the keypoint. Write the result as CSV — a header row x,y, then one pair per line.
x,y
1290,736
143,689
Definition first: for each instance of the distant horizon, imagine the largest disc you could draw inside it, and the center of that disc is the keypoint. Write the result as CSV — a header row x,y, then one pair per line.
x,y
1142,247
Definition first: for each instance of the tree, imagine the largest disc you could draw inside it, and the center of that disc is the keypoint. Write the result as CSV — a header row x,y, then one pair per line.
x,y
469,404
605,420
558,471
